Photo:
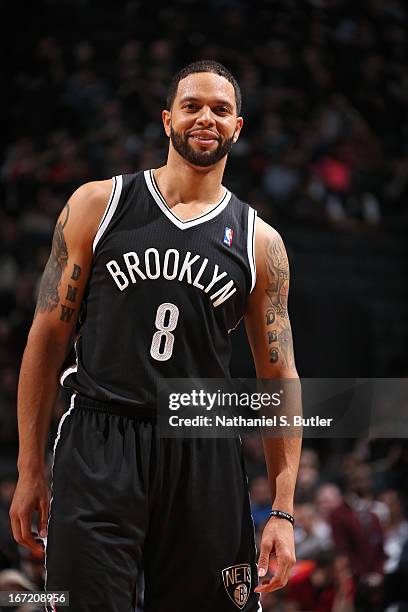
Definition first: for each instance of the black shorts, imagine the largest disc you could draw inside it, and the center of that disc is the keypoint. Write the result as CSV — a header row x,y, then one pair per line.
x,y
125,501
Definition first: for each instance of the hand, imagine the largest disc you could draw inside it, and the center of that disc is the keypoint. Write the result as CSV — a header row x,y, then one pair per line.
x,y
278,539
31,495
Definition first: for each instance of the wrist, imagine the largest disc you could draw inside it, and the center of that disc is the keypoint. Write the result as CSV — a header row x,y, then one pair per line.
x,y
282,514
33,468
282,504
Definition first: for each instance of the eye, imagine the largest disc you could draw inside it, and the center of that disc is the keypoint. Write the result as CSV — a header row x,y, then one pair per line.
x,y
222,110
190,106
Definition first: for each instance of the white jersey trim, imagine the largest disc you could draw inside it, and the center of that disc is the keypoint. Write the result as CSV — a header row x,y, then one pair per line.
x,y
251,245
67,372
71,369
60,424
117,182
162,204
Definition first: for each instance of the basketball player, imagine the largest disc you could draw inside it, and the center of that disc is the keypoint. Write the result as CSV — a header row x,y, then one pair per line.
x,y
163,263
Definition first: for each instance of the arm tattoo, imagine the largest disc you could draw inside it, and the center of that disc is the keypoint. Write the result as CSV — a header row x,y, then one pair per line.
x,y
276,314
76,272
278,276
48,297
66,311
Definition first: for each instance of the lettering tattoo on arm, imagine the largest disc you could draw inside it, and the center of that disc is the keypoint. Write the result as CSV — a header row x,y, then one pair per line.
x,y
76,272
66,311
276,314
71,293
49,296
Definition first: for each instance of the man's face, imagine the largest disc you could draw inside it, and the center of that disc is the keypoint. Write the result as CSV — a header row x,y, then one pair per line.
x,y
203,124
327,500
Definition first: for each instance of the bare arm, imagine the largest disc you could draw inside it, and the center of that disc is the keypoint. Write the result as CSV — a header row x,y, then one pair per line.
x,y
270,336
61,291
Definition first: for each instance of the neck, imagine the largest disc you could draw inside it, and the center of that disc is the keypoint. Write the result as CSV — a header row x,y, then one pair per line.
x,y
180,181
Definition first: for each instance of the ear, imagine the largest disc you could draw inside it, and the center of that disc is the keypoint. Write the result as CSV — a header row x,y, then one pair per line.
x,y
166,118
238,128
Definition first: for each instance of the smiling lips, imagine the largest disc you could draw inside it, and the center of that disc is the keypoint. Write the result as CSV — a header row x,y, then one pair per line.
x,y
203,136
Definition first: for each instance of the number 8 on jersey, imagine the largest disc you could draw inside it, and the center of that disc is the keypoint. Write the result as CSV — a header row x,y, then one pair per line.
x,y
164,331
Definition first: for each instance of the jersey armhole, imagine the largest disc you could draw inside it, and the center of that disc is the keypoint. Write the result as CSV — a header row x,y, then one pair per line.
x,y
251,245
117,182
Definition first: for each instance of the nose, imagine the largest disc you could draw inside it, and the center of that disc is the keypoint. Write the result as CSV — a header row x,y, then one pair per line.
x,y
206,117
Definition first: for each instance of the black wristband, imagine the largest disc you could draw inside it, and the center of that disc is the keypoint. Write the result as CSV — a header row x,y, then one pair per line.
x,y
284,515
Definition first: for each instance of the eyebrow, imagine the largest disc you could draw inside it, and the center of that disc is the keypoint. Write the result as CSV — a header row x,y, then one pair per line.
x,y
195,99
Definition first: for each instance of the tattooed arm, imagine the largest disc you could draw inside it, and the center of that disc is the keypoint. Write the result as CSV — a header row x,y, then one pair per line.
x,y
49,294
270,336
60,295
267,319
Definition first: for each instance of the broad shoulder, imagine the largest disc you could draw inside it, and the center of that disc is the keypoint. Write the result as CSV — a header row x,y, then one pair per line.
x,y
269,247
84,210
91,197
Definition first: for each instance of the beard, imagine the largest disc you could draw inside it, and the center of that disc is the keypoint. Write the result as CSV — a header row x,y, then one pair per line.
x,y
199,158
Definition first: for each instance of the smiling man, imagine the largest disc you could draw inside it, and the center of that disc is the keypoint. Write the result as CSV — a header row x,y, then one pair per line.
x,y
152,271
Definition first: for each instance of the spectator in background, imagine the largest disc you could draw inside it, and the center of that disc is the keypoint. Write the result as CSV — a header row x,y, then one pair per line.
x,y
312,534
396,537
335,177
396,529
323,585
308,476
361,540
360,493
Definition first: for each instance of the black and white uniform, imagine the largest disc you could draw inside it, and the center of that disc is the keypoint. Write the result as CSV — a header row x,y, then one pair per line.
x,y
162,298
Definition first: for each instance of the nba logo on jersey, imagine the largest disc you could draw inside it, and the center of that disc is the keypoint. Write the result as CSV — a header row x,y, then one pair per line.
x,y
228,234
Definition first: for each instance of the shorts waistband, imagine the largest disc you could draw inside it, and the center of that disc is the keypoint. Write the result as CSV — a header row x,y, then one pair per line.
x,y
138,413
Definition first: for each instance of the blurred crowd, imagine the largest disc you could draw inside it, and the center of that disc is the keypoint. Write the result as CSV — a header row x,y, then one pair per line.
x,y
351,530
325,92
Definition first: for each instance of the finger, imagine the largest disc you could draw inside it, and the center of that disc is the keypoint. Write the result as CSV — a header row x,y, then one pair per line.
x,y
268,586
15,528
279,580
283,570
285,576
27,538
43,517
263,561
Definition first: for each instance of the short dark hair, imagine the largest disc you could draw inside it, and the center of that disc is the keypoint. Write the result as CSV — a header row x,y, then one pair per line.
x,y
203,66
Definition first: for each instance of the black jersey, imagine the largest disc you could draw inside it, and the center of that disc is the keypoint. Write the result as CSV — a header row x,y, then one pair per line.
x,y
163,294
